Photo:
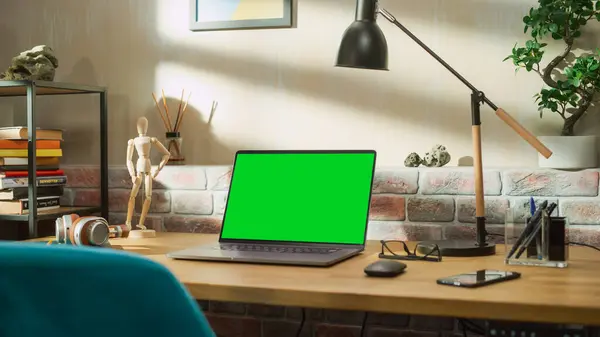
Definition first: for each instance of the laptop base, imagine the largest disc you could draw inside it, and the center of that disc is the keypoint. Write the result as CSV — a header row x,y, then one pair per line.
x,y
213,252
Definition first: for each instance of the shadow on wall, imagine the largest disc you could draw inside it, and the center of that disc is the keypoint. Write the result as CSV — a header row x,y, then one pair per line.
x,y
123,52
80,112
342,88
7,52
7,46
355,88
464,14
117,51
199,144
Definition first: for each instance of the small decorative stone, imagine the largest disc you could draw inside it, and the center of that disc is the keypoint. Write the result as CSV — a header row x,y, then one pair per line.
x,y
39,63
437,157
413,160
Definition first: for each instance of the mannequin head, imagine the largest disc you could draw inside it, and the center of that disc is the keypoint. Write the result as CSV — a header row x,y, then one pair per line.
x,y
142,126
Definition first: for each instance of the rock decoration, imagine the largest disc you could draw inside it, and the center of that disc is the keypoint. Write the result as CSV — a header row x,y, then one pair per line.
x,y
438,156
413,160
39,63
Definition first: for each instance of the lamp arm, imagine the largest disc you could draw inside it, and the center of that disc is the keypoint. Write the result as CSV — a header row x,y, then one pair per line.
x,y
503,115
393,20
524,133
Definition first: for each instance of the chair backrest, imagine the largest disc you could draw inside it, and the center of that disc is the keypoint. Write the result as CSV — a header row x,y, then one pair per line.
x,y
68,291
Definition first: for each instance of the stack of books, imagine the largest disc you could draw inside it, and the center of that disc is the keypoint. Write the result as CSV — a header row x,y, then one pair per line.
x,y
14,180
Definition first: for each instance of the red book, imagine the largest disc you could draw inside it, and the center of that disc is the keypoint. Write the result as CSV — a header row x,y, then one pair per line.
x,y
17,174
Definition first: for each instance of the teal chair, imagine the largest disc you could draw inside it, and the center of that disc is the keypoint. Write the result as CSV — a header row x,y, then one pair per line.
x,y
68,291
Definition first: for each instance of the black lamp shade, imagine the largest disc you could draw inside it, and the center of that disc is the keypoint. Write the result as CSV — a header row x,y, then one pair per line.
x,y
363,46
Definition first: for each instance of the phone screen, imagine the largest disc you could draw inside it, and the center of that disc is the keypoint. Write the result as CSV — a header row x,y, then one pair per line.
x,y
478,277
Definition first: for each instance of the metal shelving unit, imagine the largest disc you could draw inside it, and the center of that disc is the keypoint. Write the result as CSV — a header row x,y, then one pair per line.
x,y
30,90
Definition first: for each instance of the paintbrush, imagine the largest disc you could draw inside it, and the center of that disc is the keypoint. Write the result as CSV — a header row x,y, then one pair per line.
x,y
167,110
212,111
160,112
183,112
179,110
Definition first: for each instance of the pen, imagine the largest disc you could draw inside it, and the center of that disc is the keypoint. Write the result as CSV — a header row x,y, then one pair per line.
x,y
530,225
534,233
532,212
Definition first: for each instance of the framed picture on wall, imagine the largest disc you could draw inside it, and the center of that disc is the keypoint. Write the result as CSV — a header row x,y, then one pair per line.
x,y
206,15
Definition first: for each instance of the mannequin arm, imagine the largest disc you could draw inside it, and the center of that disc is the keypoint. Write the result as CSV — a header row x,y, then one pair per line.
x,y
165,158
130,166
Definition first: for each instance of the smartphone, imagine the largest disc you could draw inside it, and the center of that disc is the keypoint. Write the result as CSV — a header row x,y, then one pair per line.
x,y
479,278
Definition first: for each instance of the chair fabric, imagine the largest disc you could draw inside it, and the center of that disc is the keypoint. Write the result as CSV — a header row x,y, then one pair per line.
x,y
70,291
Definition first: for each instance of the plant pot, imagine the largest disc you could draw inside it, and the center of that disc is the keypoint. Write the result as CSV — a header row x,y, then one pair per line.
x,y
569,152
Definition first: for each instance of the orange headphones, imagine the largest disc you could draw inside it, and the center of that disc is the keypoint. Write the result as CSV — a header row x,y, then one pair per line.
x,y
87,230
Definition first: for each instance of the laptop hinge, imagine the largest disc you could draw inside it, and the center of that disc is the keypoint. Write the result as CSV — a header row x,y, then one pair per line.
x,y
304,244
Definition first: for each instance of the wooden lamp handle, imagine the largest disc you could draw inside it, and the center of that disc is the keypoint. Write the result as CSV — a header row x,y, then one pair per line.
x,y
530,138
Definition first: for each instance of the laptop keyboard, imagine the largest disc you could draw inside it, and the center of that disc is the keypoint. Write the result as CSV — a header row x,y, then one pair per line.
x,y
277,249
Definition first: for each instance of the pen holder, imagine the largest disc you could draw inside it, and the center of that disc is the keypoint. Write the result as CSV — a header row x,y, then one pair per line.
x,y
543,243
173,143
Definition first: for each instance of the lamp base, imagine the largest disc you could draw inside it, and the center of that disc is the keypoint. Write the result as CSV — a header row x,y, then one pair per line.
x,y
460,248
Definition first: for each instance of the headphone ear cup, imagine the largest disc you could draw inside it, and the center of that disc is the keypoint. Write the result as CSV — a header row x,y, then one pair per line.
x,y
75,239
84,227
63,227
59,229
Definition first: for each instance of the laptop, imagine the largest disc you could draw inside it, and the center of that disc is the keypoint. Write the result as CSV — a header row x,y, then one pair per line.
x,y
293,207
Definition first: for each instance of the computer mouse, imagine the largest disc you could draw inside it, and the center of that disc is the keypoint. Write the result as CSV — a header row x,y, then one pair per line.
x,y
385,268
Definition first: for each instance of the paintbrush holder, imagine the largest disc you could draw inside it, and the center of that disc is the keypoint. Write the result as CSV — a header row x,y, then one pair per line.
x,y
545,247
174,143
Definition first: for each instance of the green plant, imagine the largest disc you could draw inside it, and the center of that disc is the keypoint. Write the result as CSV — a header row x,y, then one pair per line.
x,y
569,92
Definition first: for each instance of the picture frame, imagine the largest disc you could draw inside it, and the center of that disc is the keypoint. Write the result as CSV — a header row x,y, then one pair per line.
x,y
214,15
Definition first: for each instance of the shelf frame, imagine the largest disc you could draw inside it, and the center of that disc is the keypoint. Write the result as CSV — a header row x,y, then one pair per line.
x,y
54,213
44,88
32,89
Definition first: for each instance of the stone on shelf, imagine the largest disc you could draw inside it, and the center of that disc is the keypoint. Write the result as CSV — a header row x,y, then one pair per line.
x,y
39,63
413,160
437,157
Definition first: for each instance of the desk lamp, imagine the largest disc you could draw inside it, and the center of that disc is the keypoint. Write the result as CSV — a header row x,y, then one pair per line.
x,y
364,46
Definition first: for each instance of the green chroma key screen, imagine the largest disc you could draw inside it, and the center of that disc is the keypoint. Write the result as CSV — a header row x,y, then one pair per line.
x,y
312,197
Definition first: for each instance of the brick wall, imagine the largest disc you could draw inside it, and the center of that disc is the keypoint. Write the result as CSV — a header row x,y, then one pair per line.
x,y
230,319
412,204
254,320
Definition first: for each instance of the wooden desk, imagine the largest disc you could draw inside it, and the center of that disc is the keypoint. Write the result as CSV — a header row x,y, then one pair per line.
x,y
570,295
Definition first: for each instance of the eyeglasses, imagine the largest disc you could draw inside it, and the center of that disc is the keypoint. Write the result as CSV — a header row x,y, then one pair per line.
x,y
422,252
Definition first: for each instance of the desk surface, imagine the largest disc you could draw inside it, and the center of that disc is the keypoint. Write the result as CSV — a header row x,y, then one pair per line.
x,y
570,295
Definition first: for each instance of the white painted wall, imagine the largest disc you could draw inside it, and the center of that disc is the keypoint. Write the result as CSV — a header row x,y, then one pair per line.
x,y
278,88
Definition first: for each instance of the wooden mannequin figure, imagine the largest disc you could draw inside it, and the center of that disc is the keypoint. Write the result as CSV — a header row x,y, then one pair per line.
x,y
142,144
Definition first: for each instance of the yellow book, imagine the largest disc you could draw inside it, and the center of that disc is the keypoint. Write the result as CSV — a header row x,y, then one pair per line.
x,y
22,153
